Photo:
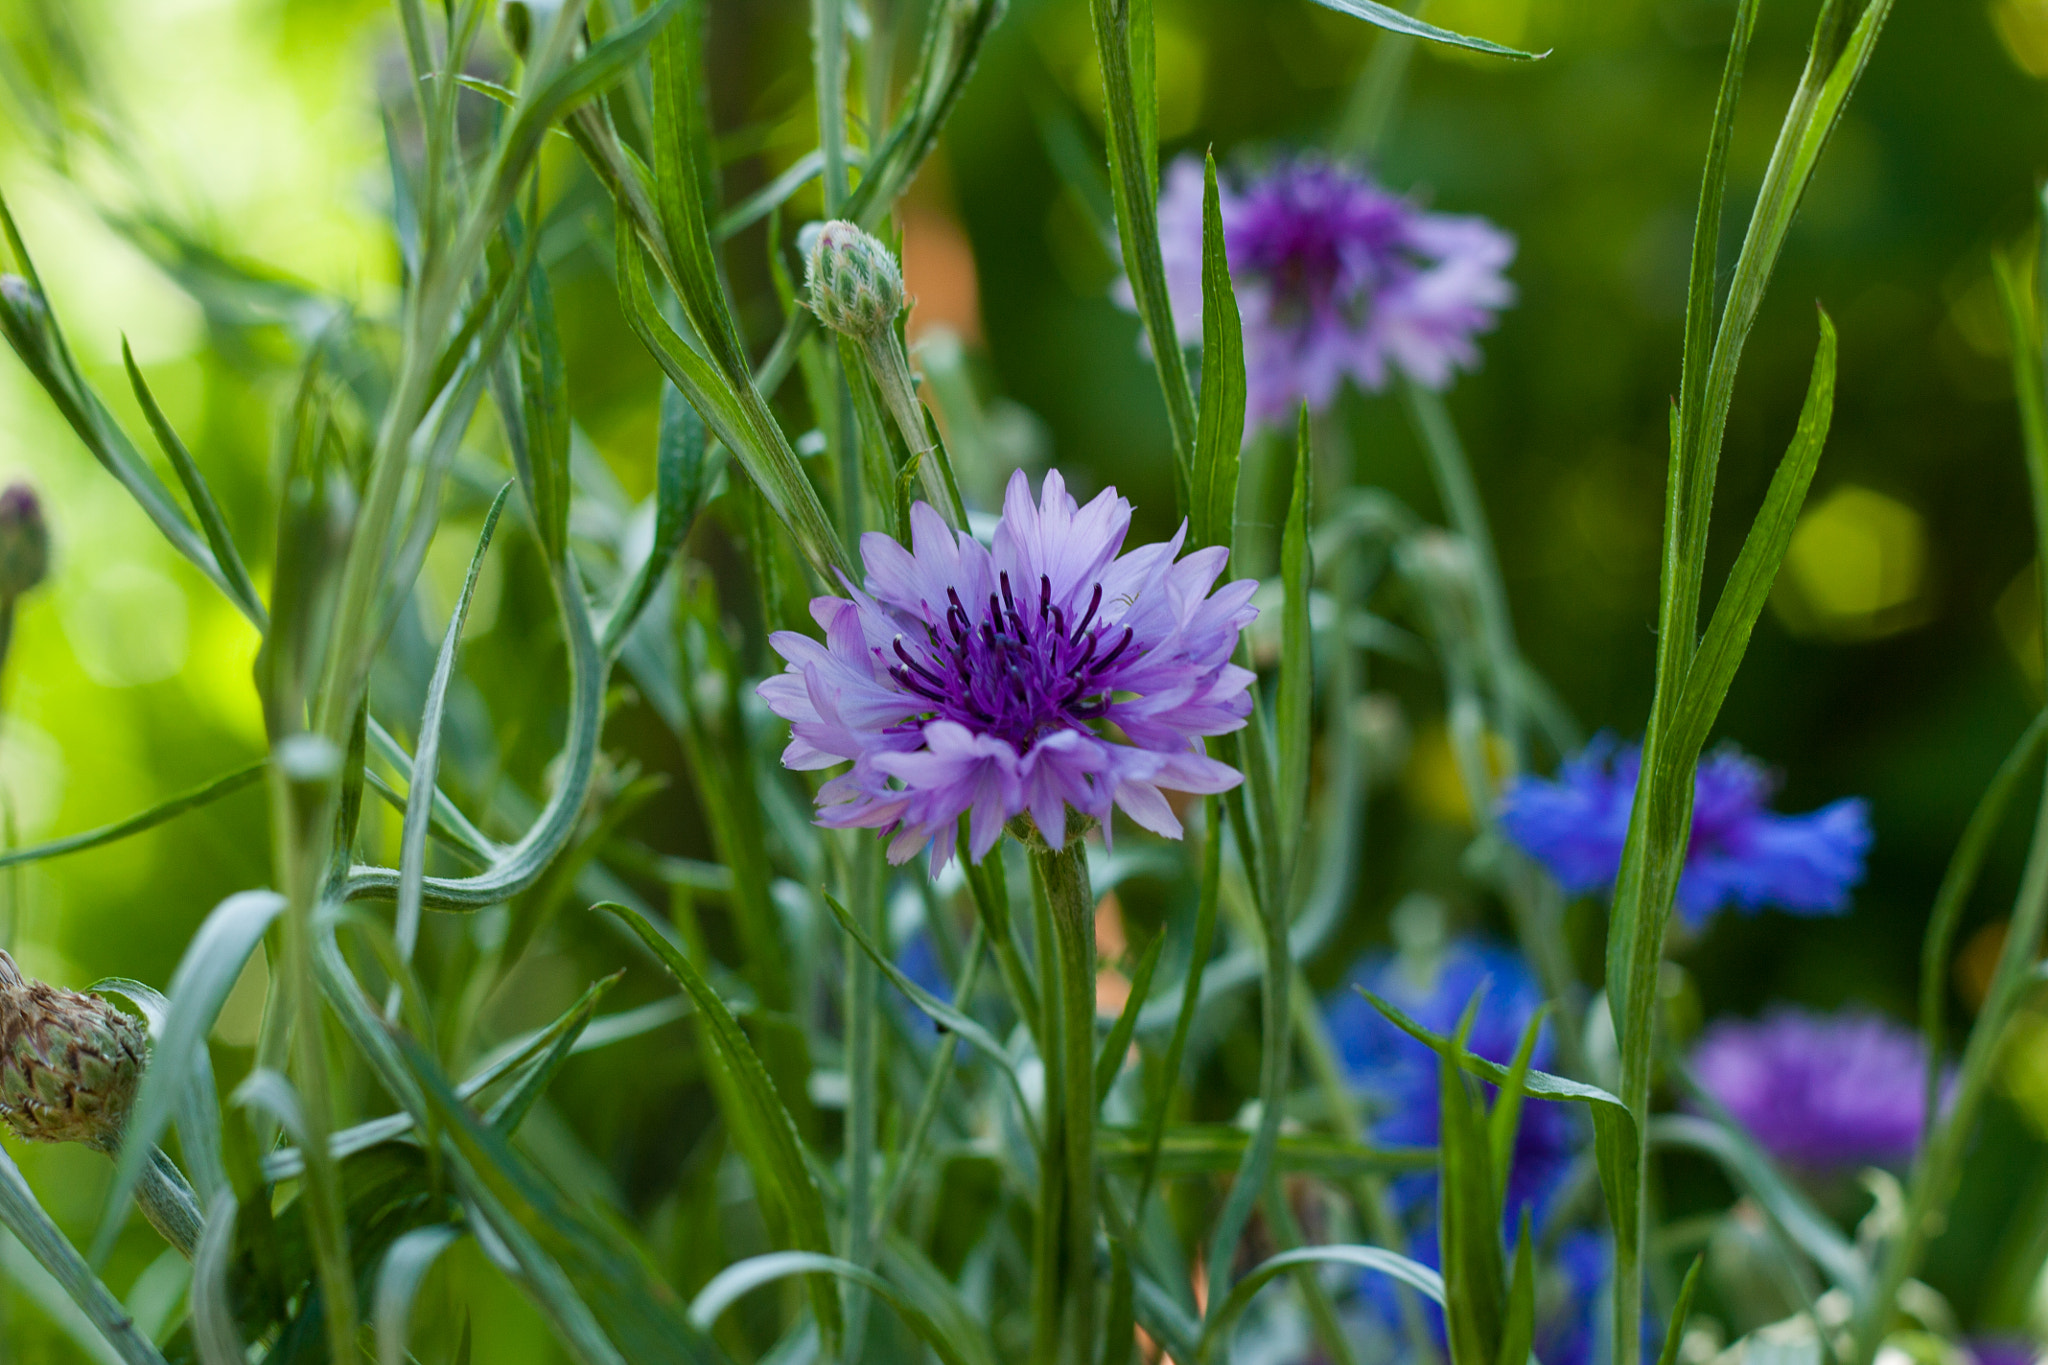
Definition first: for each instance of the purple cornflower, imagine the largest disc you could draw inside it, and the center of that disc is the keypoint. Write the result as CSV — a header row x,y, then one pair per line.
x,y
1819,1092
1335,275
1401,1075
984,681
1741,853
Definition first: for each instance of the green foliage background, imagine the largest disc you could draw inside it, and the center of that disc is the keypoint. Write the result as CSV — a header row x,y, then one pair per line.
x,y
253,128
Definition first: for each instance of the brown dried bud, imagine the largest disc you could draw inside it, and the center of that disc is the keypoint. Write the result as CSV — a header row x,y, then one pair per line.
x,y
69,1063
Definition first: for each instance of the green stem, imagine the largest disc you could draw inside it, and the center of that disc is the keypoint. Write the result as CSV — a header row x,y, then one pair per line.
x,y
864,1079
1064,875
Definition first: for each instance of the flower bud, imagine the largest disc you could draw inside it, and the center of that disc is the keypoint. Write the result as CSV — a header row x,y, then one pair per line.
x,y
69,1063
24,541
855,284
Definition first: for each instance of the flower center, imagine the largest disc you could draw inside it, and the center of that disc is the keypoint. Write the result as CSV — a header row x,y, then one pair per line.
x,y
1013,671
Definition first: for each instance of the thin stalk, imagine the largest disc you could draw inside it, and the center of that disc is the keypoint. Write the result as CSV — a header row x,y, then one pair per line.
x,y
864,1079
943,1063
1049,1236
828,59
1064,875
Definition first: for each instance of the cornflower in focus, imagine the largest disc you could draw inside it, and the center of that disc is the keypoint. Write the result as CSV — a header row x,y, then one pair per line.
x,y
1335,276
1741,854
987,682
1820,1092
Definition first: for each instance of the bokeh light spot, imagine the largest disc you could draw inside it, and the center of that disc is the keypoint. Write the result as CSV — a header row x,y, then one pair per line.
x,y
1856,569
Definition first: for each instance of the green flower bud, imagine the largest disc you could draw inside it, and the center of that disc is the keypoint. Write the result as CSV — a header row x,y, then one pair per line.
x,y
69,1063
24,541
855,284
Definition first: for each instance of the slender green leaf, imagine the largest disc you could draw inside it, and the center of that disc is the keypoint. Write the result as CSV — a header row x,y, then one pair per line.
x,y
426,761
218,538
937,1010
1219,423
1117,1045
1681,1312
199,987
24,1217
198,1107
1136,194
1505,1120
398,1283
136,823
736,1281
778,1163
1468,1212
682,472
1756,567
1394,21
1204,1148
1191,993
1296,695
1518,1334
1954,897
1222,1317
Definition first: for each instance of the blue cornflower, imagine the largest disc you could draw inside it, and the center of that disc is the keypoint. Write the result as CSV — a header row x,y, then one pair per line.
x,y
1742,853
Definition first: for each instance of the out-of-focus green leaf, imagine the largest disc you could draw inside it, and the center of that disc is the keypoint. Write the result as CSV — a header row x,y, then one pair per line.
x,y
1216,1327
1219,423
1518,1333
736,1281
1118,1044
682,471
1202,1148
25,1218
1468,1208
199,987
1394,21
135,824
1752,1171
772,1146
199,1131
398,1283
1505,1120
1954,896
1204,943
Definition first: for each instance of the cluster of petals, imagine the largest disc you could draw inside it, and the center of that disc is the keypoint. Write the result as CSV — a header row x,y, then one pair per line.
x,y
1335,277
1821,1092
1742,853
1045,672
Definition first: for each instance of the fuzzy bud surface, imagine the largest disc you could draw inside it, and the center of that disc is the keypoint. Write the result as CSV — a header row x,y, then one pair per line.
x,y
69,1063
855,285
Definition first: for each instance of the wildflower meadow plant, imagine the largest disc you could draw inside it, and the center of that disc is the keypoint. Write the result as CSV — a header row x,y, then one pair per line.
x,y
569,1021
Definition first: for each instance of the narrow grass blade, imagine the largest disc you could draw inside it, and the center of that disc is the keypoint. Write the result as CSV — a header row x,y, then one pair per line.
x,y
1752,1171
1210,895
1518,1334
1756,567
1954,896
1468,1209
1118,1044
1219,421
733,1283
1394,21
426,760
1681,1312
218,538
1135,190
136,823
1296,693
1505,1120
935,1009
405,1267
1224,1316
199,987
1207,1148
681,473
24,1217
774,1149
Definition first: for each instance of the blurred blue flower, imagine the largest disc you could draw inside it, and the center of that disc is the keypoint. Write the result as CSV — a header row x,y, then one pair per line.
x,y
1335,276
1742,854
1821,1092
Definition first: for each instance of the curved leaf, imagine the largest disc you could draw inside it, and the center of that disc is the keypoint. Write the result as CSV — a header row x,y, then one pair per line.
x,y
1394,21
398,1283
1224,1315
736,1281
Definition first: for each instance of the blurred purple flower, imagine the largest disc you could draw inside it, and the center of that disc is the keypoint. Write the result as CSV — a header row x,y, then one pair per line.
x,y
1819,1092
2004,1350
980,681
1741,854
1401,1075
1335,276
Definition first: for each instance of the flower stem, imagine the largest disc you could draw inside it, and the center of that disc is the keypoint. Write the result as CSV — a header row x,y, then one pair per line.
x,y
1063,873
